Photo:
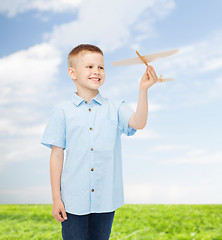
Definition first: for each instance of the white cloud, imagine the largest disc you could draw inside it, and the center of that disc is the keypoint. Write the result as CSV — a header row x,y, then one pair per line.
x,y
197,152
153,107
215,89
13,7
146,133
196,157
108,23
168,147
197,70
21,148
10,127
172,194
25,74
198,57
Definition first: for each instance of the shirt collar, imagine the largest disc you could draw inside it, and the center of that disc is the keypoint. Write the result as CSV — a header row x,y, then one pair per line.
x,y
77,100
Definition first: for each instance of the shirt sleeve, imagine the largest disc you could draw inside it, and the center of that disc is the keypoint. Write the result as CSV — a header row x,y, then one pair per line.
x,y
124,114
55,131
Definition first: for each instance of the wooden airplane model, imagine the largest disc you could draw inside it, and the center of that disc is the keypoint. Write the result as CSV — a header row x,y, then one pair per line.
x,y
147,59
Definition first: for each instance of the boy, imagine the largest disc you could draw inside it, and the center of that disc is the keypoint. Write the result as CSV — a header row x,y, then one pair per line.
x,y
88,189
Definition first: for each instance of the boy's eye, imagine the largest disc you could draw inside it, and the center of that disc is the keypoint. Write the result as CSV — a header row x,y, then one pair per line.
x,y
89,66
101,67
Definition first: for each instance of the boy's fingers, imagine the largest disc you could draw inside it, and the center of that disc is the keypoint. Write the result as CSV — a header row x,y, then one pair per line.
x,y
153,75
64,214
149,67
58,217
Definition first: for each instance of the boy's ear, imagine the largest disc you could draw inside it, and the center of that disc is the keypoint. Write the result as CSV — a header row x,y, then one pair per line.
x,y
72,73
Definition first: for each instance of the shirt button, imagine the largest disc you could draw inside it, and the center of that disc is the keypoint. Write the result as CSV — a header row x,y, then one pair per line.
x,y
89,109
86,101
92,169
92,190
91,149
91,128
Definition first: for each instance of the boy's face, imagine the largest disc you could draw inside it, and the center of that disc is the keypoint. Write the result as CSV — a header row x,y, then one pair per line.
x,y
87,71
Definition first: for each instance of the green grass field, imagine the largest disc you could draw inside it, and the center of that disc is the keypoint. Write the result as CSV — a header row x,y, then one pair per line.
x,y
156,222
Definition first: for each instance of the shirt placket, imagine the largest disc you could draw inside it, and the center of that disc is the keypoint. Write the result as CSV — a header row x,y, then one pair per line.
x,y
92,187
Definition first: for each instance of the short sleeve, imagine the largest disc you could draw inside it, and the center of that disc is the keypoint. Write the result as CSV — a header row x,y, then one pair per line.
x,y
55,131
124,114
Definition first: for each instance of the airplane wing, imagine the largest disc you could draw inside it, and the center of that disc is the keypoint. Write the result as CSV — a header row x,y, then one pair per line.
x,y
165,79
148,58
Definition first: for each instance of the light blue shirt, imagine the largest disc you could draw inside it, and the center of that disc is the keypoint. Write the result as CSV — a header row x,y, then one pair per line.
x,y
90,132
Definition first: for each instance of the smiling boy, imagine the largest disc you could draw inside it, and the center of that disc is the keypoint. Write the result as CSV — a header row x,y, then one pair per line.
x,y
88,187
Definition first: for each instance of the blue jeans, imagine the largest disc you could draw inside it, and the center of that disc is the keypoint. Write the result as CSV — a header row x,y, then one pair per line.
x,y
93,226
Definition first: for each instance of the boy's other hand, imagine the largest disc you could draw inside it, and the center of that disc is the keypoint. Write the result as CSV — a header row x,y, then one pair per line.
x,y
149,78
58,211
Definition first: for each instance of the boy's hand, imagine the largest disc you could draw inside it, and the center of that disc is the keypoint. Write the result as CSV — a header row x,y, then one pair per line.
x,y
58,211
149,78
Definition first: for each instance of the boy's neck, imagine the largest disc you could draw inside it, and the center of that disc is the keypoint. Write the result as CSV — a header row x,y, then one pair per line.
x,y
87,95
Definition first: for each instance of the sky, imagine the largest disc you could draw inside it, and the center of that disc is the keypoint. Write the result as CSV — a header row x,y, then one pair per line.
x,y
177,157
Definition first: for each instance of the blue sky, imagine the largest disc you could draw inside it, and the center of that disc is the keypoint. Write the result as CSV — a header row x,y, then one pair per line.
x,y
177,158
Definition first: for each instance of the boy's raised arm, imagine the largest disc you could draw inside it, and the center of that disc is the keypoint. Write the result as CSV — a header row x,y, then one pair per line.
x,y
139,118
56,165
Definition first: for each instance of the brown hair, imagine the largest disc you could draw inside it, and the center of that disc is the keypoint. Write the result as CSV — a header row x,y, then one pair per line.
x,y
80,48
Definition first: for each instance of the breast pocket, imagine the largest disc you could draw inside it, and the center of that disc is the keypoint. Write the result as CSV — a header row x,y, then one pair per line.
x,y
108,131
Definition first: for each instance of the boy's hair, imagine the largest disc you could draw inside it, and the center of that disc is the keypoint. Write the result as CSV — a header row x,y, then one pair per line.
x,y
80,48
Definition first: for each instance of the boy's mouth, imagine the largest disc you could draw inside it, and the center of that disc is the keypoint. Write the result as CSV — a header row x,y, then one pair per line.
x,y
95,79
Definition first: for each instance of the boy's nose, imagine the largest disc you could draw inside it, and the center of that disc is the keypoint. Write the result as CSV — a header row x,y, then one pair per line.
x,y
96,71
